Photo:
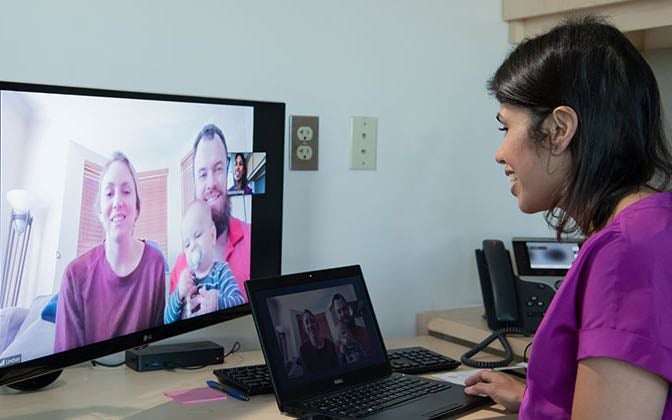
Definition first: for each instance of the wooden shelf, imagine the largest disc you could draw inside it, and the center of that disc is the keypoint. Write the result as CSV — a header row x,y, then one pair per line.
x,y
466,327
647,23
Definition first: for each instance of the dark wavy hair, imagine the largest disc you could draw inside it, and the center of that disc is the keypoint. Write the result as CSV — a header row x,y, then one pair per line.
x,y
243,178
619,145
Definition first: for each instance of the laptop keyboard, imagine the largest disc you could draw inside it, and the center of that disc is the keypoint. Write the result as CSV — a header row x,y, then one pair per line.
x,y
255,379
371,398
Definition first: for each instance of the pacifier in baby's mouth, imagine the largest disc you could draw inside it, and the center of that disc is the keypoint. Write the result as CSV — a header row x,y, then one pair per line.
x,y
194,259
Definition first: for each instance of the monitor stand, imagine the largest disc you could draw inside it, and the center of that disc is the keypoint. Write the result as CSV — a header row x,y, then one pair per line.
x,y
36,382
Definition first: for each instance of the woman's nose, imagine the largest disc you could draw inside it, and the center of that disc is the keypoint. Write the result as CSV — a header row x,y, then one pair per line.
x,y
117,200
499,155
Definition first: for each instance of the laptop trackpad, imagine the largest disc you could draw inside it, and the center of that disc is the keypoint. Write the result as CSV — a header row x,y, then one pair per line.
x,y
425,408
440,412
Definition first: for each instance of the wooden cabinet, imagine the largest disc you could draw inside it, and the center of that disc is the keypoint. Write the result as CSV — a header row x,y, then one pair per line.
x,y
648,23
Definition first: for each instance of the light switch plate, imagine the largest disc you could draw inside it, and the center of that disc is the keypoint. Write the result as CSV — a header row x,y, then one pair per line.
x,y
304,136
364,143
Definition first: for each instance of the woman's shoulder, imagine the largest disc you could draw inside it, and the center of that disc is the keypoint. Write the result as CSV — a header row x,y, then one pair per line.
x,y
85,263
152,253
636,244
644,225
92,256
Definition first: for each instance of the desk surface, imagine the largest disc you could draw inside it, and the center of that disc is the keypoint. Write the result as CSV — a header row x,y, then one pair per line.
x,y
84,391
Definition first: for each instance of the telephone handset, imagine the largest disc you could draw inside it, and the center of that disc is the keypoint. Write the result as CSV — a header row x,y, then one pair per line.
x,y
508,300
512,305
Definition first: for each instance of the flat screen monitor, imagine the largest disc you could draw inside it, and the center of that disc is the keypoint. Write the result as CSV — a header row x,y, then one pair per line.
x,y
129,217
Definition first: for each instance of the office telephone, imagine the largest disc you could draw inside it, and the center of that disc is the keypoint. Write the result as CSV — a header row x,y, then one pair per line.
x,y
516,304
508,300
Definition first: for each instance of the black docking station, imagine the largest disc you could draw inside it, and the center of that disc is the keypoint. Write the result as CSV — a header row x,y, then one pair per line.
x,y
172,356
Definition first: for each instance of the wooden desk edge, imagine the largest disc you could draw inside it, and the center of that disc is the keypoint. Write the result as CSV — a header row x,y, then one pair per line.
x,y
466,327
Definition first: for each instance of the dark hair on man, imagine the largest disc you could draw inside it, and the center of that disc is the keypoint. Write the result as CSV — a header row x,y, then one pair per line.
x,y
336,297
209,132
243,178
619,145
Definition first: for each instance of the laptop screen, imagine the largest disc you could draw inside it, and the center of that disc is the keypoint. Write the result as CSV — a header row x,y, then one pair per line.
x,y
318,333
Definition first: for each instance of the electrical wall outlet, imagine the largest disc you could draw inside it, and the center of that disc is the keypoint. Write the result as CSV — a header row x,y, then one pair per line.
x,y
304,134
364,143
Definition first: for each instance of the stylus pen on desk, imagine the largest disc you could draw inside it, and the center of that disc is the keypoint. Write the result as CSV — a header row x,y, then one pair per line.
x,y
229,390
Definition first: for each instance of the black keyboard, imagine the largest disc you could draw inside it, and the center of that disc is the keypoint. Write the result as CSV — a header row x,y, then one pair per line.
x,y
252,380
373,397
255,379
416,360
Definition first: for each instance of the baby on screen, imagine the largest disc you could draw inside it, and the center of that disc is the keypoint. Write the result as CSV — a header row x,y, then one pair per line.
x,y
207,285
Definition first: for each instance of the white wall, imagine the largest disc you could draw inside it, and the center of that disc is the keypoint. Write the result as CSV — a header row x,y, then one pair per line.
x,y
661,63
419,67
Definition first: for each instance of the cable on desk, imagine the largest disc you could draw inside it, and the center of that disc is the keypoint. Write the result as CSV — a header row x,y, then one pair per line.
x,y
234,348
107,365
113,365
191,367
500,335
525,351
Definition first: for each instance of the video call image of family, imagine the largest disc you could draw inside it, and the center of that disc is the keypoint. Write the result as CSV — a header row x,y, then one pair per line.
x,y
320,330
552,255
119,215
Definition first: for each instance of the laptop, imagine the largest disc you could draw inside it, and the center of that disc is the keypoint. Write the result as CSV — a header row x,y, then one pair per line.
x,y
326,355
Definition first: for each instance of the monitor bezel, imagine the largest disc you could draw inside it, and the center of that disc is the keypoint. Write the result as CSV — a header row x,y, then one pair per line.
x,y
268,137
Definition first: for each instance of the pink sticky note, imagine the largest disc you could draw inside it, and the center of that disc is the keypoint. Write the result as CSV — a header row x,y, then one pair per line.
x,y
195,395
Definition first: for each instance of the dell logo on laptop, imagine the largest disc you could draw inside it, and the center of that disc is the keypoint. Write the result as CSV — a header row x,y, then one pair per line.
x,y
146,337
338,381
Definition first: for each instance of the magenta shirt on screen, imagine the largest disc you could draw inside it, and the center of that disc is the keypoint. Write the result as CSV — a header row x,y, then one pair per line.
x,y
94,304
616,302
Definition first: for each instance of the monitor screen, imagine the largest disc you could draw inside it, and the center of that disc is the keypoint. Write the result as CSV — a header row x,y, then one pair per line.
x,y
129,217
552,255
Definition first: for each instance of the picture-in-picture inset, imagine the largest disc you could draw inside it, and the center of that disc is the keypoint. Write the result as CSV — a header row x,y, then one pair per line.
x,y
247,172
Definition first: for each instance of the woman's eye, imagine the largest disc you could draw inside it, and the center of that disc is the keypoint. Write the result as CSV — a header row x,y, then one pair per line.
x,y
504,129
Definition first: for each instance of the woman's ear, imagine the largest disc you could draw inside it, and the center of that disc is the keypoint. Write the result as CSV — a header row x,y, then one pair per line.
x,y
563,123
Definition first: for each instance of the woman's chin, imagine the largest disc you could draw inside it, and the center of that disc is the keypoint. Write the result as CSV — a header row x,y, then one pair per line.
x,y
118,235
529,208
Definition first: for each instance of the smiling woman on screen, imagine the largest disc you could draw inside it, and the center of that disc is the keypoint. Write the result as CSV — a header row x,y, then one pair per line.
x,y
117,287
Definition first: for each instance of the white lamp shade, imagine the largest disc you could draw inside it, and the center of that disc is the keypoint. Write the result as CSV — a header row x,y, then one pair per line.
x,y
19,200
